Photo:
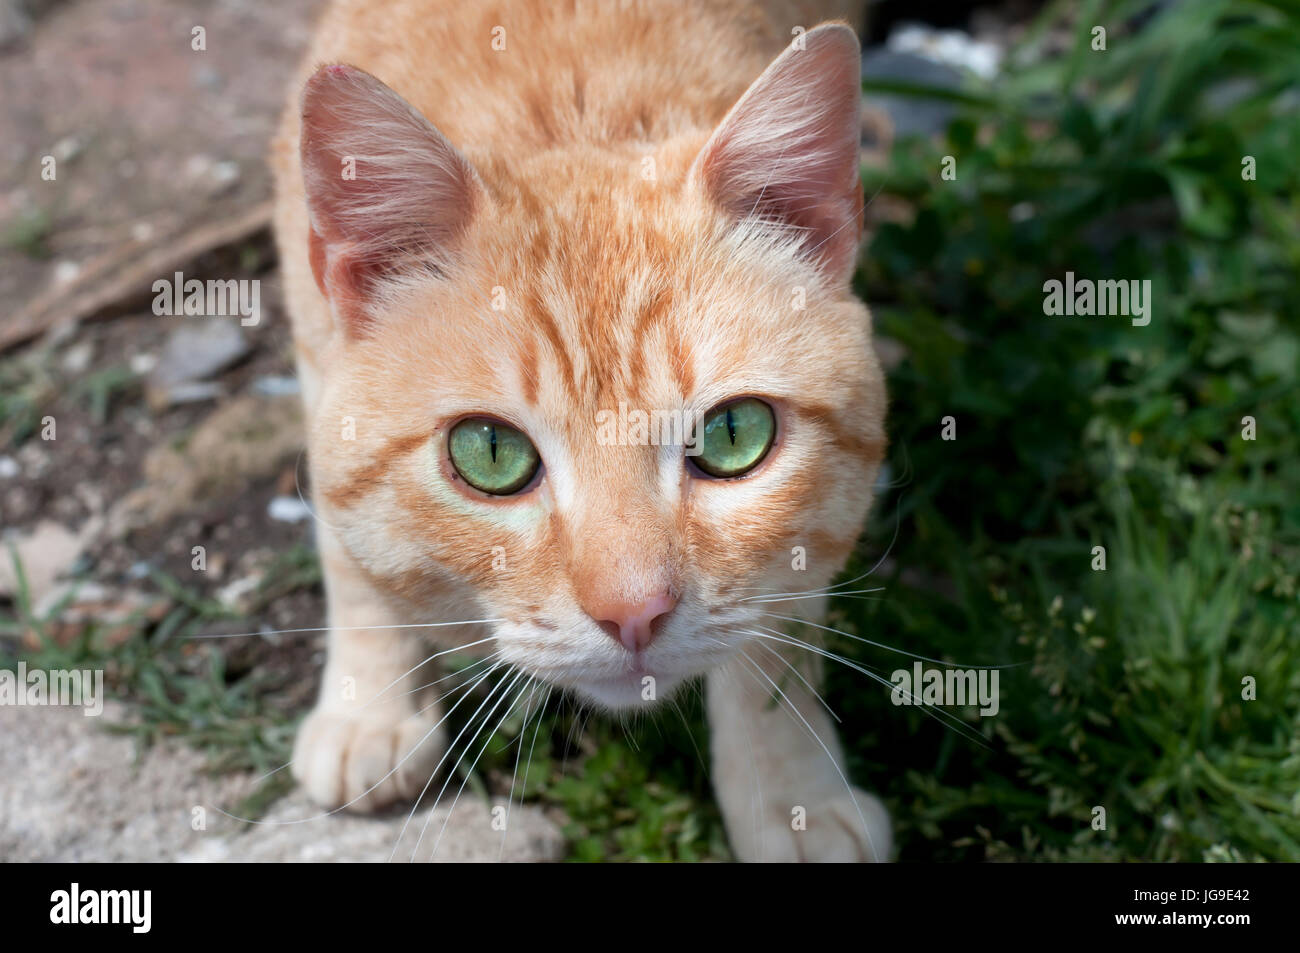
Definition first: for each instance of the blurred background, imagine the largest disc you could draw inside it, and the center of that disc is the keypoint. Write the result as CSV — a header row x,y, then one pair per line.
x,y
1162,148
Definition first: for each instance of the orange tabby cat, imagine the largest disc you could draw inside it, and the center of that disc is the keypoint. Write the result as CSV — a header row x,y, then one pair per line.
x,y
511,233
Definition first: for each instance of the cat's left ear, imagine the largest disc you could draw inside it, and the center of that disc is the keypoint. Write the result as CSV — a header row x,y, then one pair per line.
x,y
386,192
787,152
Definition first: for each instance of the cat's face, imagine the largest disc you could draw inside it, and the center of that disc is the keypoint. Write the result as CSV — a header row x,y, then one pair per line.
x,y
478,439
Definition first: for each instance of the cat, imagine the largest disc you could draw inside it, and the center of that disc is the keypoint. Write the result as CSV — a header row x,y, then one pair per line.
x,y
500,223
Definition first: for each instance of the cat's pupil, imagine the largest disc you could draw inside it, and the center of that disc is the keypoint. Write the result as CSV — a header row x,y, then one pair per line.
x,y
731,427
493,439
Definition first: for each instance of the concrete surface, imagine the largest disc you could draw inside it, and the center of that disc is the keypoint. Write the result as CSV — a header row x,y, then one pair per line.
x,y
71,791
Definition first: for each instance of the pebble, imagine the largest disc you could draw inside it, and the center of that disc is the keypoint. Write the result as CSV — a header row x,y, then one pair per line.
x,y
193,392
288,509
78,357
276,385
198,349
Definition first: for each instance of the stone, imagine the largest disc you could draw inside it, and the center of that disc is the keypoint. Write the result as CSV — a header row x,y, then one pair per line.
x,y
198,349
288,509
45,552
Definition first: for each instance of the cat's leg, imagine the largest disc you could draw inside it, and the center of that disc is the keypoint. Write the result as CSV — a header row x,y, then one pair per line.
x,y
373,738
778,769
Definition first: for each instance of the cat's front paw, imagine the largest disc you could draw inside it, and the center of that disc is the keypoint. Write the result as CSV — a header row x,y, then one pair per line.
x,y
834,829
367,759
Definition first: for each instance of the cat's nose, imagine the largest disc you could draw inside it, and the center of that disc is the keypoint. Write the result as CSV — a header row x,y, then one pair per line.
x,y
633,623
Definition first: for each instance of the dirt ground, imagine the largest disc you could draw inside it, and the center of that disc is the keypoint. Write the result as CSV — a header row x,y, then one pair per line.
x,y
171,433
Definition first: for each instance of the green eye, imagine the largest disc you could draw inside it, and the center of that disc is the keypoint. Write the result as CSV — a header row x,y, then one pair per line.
x,y
736,437
491,456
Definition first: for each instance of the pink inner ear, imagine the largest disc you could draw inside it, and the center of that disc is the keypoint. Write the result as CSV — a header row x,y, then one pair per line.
x,y
788,150
385,190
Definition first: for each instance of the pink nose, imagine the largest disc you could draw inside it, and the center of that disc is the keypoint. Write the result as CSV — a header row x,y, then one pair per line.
x,y
633,624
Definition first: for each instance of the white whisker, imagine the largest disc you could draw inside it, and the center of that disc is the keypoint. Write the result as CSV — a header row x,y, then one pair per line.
x,y
434,772
523,730
463,671
438,681
881,645
835,764
829,590
342,807
934,712
458,648
451,747
794,596
799,675
470,770
297,485
353,628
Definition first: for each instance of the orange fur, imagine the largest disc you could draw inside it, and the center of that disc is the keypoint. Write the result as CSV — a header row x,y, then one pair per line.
x,y
610,287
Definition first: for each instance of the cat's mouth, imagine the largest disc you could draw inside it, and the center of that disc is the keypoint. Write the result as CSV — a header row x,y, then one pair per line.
x,y
599,671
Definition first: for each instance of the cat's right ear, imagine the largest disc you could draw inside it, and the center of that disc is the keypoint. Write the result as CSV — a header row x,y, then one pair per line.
x,y
386,191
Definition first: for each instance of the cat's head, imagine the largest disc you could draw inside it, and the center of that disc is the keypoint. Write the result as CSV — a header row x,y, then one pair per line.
x,y
619,395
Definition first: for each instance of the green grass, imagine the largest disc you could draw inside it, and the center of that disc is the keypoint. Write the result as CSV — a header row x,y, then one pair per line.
x,y
26,386
1082,431
29,232
179,687
101,388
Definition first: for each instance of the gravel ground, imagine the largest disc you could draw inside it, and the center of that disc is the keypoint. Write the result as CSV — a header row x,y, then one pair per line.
x,y
74,792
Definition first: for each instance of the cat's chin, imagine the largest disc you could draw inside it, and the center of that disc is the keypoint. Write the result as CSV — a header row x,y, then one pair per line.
x,y
629,692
